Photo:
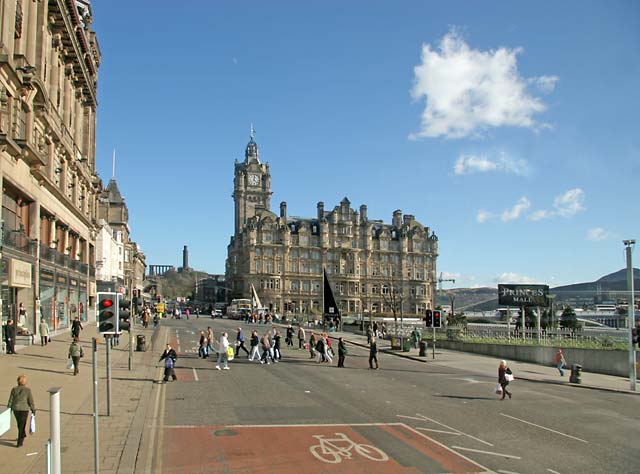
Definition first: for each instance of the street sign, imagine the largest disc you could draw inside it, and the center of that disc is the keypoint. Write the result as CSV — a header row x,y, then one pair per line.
x,y
160,307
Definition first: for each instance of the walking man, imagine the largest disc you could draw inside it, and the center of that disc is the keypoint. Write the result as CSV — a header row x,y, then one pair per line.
x,y
255,340
10,337
373,353
560,362
169,356
76,327
240,343
301,337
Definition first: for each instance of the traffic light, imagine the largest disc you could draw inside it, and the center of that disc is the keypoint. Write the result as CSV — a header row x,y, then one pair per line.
x,y
124,314
428,318
107,313
437,321
158,298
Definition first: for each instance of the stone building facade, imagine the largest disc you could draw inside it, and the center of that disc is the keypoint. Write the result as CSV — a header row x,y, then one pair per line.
x,y
373,267
49,59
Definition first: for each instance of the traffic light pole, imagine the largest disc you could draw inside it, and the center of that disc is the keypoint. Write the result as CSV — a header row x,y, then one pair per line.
x,y
96,456
108,356
631,314
433,355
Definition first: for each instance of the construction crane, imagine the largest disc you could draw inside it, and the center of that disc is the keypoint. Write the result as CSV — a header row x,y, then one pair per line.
x,y
442,280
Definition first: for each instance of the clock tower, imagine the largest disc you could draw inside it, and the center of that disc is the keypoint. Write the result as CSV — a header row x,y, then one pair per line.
x,y
251,185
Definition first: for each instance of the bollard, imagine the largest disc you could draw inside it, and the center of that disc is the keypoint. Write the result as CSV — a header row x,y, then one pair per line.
x,y
423,349
54,408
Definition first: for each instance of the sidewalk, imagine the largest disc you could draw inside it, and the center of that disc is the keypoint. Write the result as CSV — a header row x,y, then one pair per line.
x,y
45,367
489,365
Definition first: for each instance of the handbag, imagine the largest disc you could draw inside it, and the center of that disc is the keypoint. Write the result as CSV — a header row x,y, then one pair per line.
x,y
509,377
498,390
32,424
69,363
230,353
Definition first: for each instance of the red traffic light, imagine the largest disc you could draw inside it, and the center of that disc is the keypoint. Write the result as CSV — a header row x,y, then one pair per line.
x,y
106,303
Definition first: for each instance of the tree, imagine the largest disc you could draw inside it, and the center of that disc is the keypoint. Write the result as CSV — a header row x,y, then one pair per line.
x,y
568,319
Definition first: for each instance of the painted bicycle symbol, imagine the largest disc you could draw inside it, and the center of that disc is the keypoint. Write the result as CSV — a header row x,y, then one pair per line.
x,y
333,450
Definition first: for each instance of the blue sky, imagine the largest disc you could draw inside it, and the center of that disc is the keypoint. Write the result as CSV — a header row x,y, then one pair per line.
x,y
509,128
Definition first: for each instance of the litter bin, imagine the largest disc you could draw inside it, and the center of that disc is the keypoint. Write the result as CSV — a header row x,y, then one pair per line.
x,y
396,343
576,374
406,344
141,343
423,349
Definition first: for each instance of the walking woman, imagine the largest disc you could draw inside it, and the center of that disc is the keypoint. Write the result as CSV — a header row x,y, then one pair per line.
x,y
255,340
222,352
20,401
75,353
342,352
312,345
209,341
202,349
503,370
44,332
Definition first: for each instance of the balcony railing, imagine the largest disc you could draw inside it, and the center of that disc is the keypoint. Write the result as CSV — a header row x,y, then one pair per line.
x,y
18,240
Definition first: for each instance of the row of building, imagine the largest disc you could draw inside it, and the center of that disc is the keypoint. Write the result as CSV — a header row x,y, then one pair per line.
x,y
64,234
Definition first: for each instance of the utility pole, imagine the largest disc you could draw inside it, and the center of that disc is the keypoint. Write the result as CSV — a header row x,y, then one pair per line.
x,y
631,319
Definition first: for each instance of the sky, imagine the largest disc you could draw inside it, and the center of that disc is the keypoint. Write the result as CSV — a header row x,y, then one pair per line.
x,y
511,129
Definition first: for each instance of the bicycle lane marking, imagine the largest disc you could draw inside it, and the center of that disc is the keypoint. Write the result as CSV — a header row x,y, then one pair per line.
x,y
361,448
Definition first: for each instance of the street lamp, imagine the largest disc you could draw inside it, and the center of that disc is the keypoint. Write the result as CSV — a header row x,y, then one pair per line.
x,y
629,244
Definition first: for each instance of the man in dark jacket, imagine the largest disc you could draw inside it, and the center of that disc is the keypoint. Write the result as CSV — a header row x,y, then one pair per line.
x,y
169,356
10,337
76,326
240,343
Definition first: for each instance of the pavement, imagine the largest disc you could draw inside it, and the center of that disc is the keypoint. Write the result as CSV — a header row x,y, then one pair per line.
x,y
124,444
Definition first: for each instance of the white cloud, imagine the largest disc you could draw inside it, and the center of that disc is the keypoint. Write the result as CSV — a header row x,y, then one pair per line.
x,y
468,90
510,214
539,215
484,216
597,234
546,84
569,203
467,164
510,277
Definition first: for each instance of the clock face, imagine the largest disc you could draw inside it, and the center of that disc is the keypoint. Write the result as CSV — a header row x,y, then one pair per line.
x,y
254,179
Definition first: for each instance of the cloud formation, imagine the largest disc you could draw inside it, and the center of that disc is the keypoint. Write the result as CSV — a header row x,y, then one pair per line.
x,y
598,234
468,91
565,205
510,277
521,206
467,164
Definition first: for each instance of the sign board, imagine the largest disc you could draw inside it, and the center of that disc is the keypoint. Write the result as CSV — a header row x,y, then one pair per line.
x,y
160,307
5,421
19,273
523,295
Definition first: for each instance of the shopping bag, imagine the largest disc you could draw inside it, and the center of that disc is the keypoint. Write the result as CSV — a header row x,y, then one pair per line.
x,y
509,377
230,353
498,390
32,424
69,363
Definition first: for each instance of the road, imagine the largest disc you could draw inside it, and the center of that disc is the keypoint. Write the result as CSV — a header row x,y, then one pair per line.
x,y
408,417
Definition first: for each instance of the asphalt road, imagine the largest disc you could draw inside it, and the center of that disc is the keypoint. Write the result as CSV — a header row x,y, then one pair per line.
x,y
409,416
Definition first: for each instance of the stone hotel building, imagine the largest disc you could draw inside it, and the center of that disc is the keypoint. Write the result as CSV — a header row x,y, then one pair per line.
x,y
372,266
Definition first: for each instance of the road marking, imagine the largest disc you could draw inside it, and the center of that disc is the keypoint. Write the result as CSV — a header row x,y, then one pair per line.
x,y
330,452
154,426
426,418
486,452
195,374
552,471
454,433
32,454
544,428
507,472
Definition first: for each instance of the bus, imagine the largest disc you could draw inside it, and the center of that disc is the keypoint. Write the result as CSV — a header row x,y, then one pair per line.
x,y
239,308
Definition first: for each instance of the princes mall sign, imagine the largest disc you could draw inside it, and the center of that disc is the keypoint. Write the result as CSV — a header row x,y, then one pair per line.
x,y
523,295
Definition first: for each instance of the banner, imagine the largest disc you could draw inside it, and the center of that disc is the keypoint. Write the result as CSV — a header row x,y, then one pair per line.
x,y
523,295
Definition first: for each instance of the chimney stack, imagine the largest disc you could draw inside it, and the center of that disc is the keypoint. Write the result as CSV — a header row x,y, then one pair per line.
x,y
283,210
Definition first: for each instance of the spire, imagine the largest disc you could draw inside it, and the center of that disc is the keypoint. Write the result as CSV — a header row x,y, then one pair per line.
x,y
251,152
252,132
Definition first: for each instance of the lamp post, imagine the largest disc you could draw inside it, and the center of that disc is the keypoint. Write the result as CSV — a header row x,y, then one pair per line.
x,y
629,244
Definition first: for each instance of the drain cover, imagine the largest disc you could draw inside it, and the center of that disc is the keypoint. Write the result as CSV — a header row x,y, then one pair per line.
x,y
225,433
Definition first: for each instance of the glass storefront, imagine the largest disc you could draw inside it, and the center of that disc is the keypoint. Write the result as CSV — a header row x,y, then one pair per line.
x,y
62,302
47,293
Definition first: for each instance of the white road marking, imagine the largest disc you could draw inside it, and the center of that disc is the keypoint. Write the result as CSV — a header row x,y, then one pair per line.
x,y
507,472
486,452
195,374
552,471
544,428
454,433
426,418
32,454
306,425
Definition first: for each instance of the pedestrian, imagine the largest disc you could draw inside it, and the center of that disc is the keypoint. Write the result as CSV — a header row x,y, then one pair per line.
x,y
266,349
169,356
209,341
22,315
10,337
75,353
321,348
156,320
369,334
222,352
301,337
240,343
76,327
415,337
188,312
503,371
373,353
277,355
342,352
255,340
328,350
20,402
560,362
375,329
44,332
312,345
202,345
289,338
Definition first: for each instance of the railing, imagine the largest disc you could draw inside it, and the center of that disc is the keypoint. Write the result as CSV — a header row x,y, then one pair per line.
x,y
18,240
498,331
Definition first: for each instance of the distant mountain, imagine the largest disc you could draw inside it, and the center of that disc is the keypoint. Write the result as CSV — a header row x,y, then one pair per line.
x,y
607,288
